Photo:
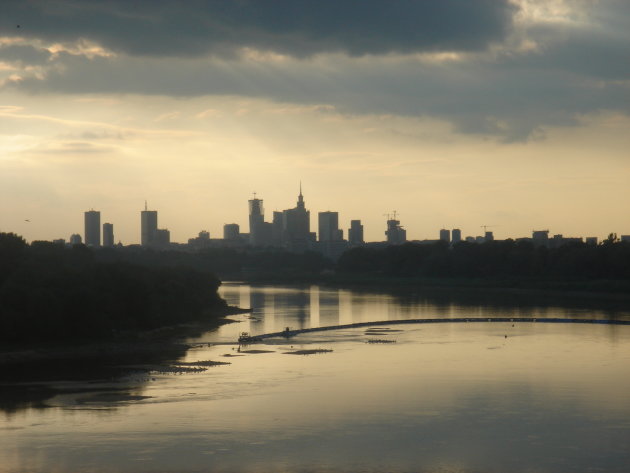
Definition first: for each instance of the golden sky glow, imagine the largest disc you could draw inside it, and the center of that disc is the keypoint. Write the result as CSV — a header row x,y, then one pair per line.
x,y
507,134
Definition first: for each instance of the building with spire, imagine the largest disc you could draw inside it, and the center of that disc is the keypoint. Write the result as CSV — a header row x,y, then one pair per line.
x,y
296,227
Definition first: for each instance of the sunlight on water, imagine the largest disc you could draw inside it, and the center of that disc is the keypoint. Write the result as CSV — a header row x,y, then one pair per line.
x,y
437,398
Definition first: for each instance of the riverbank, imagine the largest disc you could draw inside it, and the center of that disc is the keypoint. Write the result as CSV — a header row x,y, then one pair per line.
x,y
27,361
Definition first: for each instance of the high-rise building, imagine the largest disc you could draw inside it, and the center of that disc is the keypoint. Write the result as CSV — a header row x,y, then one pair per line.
x,y
296,227
108,234
445,235
396,235
148,225
456,235
75,239
256,222
231,232
355,233
329,227
92,228
489,236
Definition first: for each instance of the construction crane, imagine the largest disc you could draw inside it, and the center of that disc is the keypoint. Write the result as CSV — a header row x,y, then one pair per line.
x,y
485,227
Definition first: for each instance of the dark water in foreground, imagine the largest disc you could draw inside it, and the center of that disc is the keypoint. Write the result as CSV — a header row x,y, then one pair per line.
x,y
442,398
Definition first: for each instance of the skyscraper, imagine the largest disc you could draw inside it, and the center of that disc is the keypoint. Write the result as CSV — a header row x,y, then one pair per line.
x,y
92,228
148,225
256,221
456,235
445,235
329,227
296,226
108,234
355,233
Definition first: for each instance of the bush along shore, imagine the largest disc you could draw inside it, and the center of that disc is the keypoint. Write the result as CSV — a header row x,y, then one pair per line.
x,y
52,294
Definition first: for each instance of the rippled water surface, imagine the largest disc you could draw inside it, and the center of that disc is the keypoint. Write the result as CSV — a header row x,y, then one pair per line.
x,y
483,397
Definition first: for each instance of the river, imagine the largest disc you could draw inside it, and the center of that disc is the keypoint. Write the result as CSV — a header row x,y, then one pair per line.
x,y
443,398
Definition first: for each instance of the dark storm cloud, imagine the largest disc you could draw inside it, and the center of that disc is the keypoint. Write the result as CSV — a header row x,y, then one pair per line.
x,y
294,27
574,68
476,98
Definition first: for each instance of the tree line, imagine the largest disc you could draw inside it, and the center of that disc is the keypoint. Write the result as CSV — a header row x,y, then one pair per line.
x,y
48,292
574,261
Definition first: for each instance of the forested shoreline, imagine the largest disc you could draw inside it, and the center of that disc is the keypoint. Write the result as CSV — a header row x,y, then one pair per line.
x,y
573,266
52,293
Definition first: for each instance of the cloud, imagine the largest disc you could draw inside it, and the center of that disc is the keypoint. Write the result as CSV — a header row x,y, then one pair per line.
x,y
497,68
24,54
493,97
293,27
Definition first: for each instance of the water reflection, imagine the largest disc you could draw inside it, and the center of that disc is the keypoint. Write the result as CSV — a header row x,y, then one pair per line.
x,y
299,307
442,398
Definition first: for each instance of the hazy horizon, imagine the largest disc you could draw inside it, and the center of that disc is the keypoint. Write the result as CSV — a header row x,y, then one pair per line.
x,y
511,114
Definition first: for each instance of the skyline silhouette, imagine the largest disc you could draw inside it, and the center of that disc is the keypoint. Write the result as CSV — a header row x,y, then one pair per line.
x,y
456,114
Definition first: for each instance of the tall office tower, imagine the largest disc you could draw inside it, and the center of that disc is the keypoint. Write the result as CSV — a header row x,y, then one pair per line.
x,y
489,236
93,228
445,235
329,227
396,235
256,221
148,225
108,234
456,235
75,239
296,227
355,233
231,232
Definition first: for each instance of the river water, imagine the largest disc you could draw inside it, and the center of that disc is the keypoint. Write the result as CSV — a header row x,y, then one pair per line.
x,y
443,398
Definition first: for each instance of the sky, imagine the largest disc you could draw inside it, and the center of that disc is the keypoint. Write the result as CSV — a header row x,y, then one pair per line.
x,y
513,114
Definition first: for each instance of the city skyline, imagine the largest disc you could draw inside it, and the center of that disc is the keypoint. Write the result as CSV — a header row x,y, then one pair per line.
x,y
288,224
504,113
